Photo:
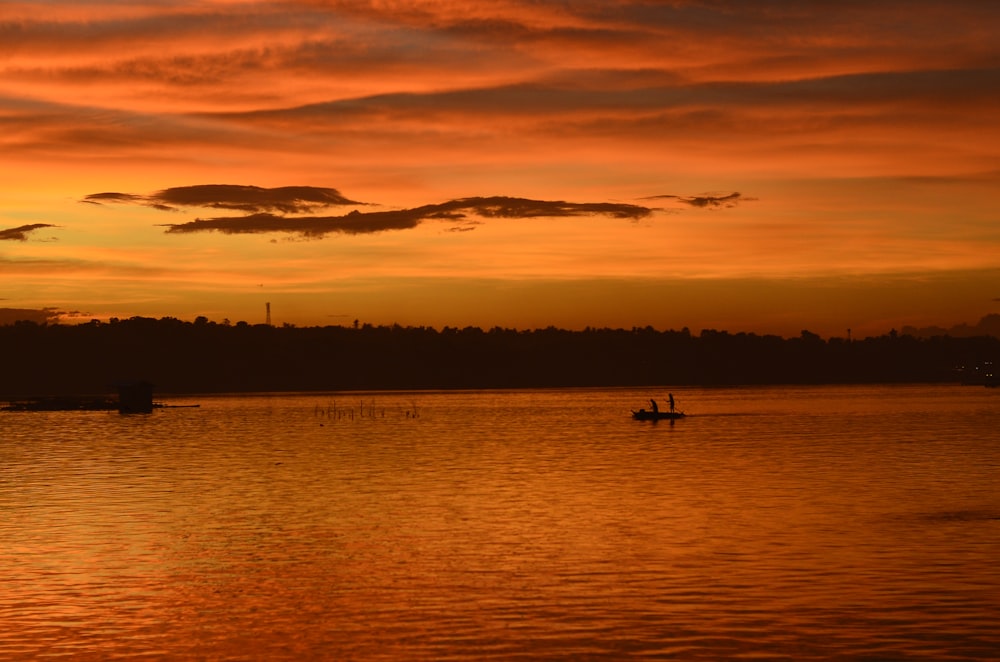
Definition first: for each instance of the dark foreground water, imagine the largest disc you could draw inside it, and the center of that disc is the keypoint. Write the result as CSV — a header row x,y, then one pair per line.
x,y
817,523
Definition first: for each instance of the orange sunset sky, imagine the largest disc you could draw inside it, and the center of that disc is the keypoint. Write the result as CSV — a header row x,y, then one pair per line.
x,y
747,166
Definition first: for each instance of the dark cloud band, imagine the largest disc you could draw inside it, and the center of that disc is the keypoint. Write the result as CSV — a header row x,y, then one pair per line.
x,y
358,222
36,315
21,233
291,209
249,199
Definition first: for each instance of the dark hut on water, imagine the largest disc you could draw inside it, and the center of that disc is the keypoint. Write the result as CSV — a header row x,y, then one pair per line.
x,y
135,397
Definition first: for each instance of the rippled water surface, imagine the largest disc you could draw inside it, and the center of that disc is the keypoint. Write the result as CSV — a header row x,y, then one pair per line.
x,y
817,523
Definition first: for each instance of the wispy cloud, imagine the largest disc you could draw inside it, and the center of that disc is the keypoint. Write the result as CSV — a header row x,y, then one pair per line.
x,y
22,232
705,201
340,82
113,197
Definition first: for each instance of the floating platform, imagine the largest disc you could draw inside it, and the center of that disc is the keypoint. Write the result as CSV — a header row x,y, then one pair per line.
x,y
82,403
63,403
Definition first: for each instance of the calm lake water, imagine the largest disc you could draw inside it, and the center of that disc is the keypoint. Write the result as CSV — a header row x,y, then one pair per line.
x,y
806,523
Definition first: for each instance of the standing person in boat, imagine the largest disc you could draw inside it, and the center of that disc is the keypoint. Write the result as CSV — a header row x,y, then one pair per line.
x,y
656,407
671,396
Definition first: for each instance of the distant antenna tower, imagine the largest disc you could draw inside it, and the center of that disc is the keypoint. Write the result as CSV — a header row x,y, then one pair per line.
x,y
267,306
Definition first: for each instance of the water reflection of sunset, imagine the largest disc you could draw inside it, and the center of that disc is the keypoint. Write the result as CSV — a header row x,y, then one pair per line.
x,y
814,521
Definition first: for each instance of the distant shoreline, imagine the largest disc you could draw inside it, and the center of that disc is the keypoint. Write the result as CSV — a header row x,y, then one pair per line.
x,y
206,358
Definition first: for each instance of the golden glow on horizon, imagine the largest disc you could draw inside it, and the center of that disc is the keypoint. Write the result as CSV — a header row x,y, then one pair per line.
x,y
860,148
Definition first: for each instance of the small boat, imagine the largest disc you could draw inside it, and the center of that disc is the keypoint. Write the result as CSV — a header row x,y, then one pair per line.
x,y
645,415
656,415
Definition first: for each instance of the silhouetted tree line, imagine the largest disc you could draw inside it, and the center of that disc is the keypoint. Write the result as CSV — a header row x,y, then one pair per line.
x,y
204,356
